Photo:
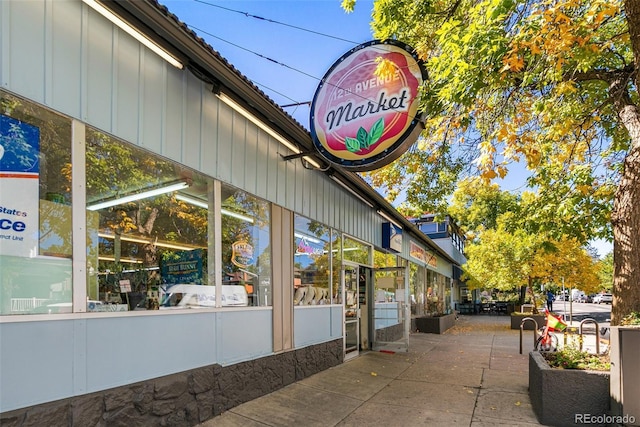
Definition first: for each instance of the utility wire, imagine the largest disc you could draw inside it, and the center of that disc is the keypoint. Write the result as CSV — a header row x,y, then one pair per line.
x,y
248,15
271,59
276,62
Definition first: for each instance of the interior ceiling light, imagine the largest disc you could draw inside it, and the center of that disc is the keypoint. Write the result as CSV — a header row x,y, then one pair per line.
x,y
138,196
388,218
202,204
126,27
146,242
129,261
256,121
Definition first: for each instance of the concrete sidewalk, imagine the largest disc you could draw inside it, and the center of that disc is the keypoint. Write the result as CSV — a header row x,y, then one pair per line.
x,y
473,375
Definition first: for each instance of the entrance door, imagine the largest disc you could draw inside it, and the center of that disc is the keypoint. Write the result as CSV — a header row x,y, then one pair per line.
x,y
350,275
390,313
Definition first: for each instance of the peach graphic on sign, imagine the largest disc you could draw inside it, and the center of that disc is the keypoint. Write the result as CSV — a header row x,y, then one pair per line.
x,y
362,121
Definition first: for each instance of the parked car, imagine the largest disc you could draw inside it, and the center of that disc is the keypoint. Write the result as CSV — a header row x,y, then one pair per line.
x,y
603,298
582,298
578,296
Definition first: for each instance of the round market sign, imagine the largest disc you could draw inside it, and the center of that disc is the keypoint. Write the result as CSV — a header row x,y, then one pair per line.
x,y
361,121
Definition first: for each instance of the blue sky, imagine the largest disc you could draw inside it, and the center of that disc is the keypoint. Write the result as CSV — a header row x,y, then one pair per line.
x,y
286,62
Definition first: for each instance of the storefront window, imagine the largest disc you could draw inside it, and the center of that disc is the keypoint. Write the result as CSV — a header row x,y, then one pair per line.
x,y
246,250
438,293
356,251
417,290
312,262
148,222
35,209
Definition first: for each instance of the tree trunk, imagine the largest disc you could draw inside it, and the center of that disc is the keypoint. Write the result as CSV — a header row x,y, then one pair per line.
x,y
626,208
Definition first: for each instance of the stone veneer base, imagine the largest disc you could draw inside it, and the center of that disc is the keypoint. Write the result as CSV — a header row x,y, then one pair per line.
x,y
183,399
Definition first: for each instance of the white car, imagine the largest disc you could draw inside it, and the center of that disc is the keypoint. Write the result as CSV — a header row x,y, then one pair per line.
x,y
603,298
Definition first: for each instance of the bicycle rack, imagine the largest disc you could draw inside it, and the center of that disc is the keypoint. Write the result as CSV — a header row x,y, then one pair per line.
x,y
589,320
535,331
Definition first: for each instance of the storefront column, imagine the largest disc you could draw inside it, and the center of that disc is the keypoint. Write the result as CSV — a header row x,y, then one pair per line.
x,y
282,277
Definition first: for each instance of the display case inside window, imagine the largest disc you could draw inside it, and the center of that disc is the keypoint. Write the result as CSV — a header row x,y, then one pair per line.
x,y
246,249
152,227
312,262
35,209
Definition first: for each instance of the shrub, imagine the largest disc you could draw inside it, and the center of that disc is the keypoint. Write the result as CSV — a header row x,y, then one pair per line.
x,y
571,357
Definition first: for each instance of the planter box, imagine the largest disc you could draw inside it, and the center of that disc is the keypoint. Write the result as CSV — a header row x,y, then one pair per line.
x,y
562,397
516,319
625,373
435,325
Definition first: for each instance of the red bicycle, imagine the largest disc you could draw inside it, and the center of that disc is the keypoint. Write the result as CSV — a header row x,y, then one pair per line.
x,y
547,341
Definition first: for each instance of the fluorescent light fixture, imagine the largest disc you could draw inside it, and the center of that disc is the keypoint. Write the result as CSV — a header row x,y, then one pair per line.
x,y
312,162
202,204
309,238
127,28
146,242
130,261
138,196
256,121
350,190
388,218
236,215
193,201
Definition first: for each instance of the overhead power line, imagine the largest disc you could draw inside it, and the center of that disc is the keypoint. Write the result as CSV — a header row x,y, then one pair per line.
x,y
255,53
249,15
295,103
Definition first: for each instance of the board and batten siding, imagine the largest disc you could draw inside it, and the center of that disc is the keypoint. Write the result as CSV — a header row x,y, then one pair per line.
x,y
67,57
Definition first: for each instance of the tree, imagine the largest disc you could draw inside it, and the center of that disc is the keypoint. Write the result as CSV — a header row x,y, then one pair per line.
x,y
506,261
605,273
552,84
476,205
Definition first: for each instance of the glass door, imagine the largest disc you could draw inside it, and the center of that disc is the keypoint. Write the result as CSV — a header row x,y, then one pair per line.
x,y
390,314
350,274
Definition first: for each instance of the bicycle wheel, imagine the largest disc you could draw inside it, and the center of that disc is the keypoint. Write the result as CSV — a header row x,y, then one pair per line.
x,y
546,342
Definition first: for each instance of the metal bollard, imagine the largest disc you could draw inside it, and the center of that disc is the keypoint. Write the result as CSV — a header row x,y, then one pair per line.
x,y
589,320
535,331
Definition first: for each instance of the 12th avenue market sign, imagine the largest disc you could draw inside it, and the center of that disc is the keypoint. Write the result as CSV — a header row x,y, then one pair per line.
x,y
361,121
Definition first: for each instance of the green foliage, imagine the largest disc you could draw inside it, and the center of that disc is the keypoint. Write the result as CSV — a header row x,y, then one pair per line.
x,y
632,318
515,82
605,272
571,357
477,205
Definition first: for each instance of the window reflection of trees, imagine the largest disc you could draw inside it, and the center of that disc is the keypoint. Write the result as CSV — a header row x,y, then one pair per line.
x,y
246,221
312,262
134,233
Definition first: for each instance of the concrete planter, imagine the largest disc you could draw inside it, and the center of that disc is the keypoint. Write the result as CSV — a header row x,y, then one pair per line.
x,y
436,324
625,373
566,397
516,319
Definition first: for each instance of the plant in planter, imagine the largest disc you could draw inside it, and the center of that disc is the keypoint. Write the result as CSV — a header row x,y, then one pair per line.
x,y
568,382
571,357
632,319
